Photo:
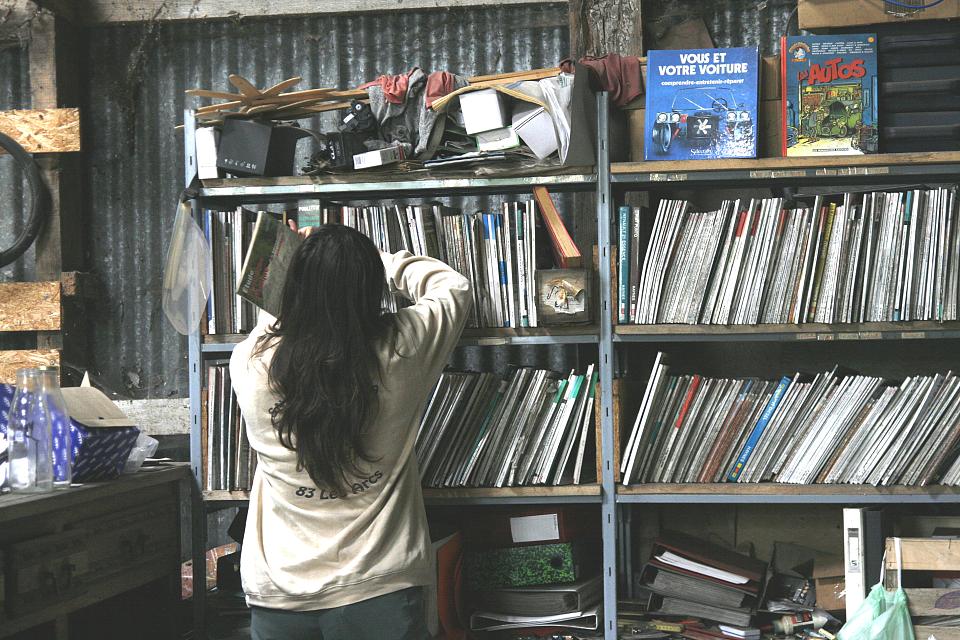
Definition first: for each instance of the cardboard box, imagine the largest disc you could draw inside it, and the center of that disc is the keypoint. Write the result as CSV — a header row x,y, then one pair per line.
x,y
816,14
535,127
770,78
771,115
635,119
101,434
483,110
207,139
830,582
251,148
498,139
377,158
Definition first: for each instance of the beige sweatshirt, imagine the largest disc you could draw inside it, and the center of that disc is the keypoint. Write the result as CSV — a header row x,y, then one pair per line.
x,y
307,548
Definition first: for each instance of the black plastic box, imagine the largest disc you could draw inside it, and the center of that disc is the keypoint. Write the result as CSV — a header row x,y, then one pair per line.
x,y
252,148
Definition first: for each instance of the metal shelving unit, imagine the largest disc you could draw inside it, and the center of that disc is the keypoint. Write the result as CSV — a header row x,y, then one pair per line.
x,y
229,193
882,169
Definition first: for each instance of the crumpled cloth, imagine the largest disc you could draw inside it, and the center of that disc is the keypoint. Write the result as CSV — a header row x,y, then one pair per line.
x,y
394,87
409,122
616,74
441,83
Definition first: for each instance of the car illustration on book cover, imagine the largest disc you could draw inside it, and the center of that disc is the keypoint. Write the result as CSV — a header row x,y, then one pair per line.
x,y
829,94
702,104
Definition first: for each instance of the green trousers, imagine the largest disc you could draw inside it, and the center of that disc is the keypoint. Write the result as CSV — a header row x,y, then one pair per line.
x,y
394,616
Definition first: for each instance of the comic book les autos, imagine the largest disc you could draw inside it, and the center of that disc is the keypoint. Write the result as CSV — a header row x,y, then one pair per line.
x,y
830,95
702,104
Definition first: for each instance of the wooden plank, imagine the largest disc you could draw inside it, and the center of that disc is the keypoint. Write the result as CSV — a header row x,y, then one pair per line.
x,y
10,361
30,306
933,602
924,554
514,492
101,11
43,130
926,632
875,159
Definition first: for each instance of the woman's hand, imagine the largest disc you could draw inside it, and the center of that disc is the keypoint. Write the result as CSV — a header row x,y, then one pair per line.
x,y
306,231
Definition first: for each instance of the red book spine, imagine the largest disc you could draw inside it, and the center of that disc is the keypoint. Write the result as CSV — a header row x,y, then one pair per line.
x,y
688,400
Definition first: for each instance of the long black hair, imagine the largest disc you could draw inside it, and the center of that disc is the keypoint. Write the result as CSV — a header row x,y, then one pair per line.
x,y
325,368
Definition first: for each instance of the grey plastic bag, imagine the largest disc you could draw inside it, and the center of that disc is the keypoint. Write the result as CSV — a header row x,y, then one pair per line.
x,y
188,273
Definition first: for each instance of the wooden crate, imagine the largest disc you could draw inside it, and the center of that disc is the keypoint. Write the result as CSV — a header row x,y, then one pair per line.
x,y
927,554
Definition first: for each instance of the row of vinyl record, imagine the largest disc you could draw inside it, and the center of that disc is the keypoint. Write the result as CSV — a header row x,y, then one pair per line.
x,y
529,427
228,233
833,427
880,256
228,461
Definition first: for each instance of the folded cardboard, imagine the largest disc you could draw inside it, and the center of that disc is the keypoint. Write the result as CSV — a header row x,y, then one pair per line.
x,y
830,582
483,110
816,14
377,158
498,139
101,434
251,148
535,127
770,78
529,526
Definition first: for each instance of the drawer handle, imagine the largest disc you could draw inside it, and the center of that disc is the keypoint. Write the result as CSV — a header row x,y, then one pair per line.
x,y
66,572
48,583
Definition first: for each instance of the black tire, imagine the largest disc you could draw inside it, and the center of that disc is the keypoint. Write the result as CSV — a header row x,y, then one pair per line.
x,y
39,201
662,137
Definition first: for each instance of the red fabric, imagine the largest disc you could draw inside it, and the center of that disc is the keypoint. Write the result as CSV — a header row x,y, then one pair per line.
x,y
619,75
439,84
394,87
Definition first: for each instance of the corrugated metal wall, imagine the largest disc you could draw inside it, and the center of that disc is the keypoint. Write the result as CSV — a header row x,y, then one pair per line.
x,y
134,82
136,79
14,94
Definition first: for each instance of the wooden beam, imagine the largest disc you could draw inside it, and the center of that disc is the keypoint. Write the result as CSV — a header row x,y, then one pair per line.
x,y
10,361
599,27
101,11
30,306
43,130
925,554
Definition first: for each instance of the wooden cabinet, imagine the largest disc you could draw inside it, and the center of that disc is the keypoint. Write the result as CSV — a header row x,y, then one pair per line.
x,y
65,551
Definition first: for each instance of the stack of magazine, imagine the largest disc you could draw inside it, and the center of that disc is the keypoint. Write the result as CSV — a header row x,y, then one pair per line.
x,y
496,251
856,257
228,461
529,427
832,427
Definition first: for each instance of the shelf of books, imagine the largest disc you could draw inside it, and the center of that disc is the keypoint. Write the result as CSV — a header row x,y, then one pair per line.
x,y
885,167
781,493
787,332
382,185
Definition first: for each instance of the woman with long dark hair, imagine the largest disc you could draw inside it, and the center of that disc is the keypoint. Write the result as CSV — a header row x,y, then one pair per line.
x,y
332,391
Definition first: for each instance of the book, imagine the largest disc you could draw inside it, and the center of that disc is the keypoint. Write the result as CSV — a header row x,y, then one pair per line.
x,y
268,259
227,461
545,600
754,438
702,104
623,255
829,101
565,249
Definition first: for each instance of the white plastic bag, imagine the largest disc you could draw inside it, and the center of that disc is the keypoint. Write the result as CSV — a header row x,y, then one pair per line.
x,y
143,448
187,274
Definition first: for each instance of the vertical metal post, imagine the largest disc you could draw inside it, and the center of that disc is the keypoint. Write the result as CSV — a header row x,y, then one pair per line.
x,y
198,524
608,507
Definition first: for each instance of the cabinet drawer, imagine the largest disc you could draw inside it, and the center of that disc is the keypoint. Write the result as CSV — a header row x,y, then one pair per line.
x,y
45,571
133,538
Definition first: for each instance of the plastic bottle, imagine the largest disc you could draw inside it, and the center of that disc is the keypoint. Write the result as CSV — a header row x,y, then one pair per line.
x,y
30,431
60,423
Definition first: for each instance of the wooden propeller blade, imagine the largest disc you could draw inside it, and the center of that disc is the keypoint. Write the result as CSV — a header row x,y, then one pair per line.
x,y
207,93
278,88
244,86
